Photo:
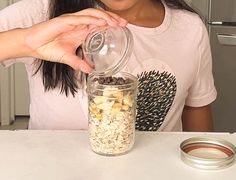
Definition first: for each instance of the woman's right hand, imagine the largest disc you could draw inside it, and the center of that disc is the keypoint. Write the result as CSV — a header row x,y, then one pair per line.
x,y
57,39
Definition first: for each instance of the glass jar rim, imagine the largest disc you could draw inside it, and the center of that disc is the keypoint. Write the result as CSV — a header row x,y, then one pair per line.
x,y
127,86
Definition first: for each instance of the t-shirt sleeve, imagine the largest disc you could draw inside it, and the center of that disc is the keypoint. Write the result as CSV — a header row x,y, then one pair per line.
x,y
23,14
202,92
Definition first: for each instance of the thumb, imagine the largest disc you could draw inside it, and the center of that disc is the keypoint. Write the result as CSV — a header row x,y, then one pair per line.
x,y
77,63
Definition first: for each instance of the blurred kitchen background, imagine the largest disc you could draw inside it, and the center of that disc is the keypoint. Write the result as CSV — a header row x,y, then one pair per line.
x,y
220,19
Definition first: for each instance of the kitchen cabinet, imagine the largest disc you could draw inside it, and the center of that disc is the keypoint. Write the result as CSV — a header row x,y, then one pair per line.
x,y
14,93
3,4
21,91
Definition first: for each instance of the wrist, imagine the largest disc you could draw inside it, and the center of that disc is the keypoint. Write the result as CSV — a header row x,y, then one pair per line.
x,y
13,44
25,50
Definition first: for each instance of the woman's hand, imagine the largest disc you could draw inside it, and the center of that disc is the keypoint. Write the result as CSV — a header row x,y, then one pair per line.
x,y
57,39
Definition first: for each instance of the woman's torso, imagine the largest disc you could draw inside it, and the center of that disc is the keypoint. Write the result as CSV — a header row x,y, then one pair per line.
x,y
165,59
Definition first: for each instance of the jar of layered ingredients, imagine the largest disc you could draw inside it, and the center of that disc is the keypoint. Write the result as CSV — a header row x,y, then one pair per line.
x,y
112,111
111,93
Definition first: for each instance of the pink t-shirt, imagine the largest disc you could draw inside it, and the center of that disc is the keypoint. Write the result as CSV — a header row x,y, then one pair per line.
x,y
173,63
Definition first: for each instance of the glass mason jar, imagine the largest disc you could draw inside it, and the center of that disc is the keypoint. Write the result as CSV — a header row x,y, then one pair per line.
x,y
112,113
111,93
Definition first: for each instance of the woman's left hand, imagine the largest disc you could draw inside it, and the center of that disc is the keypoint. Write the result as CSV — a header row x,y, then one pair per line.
x,y
56,40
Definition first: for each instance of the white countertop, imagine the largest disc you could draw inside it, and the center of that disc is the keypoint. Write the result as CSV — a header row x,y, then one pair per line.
x,y
66,155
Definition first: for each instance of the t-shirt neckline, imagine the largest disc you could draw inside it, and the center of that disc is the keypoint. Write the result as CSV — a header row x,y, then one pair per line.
x,y
156,30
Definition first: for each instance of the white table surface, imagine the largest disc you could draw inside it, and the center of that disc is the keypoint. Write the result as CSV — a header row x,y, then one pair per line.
x,y
66,155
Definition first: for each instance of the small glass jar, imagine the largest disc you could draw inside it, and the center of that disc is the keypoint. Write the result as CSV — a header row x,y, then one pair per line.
x,y
111,93
112,113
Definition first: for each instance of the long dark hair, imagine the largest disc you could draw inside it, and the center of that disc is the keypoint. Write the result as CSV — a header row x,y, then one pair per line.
x,y
56,75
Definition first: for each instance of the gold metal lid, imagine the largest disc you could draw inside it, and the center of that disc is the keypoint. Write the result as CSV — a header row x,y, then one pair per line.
x,y
207,153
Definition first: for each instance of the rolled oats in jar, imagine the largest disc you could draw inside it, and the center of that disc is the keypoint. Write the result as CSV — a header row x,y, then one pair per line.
x,y
111,93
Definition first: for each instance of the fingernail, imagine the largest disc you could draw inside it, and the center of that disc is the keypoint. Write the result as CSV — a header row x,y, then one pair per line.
x,y
85,68
102,21
123,23
114,20
123,20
